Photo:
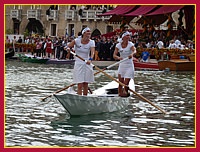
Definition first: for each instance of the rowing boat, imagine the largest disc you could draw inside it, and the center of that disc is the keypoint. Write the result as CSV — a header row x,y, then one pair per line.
x,y
60,61
32,59
177,65
10,53
104,99
146,66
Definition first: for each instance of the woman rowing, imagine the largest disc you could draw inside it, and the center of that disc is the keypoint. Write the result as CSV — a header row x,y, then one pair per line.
x,y
83,71
125,48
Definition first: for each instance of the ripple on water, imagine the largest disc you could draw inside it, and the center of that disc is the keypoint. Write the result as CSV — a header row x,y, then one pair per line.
x,y
31,122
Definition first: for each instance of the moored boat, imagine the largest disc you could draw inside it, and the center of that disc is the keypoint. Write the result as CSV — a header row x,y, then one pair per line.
x,y
191,57
60,61
10,54
32,59
177,65
146,65
100,101
138,65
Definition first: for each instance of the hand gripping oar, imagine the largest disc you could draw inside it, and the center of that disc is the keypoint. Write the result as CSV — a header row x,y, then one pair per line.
x,y
122,84
112,65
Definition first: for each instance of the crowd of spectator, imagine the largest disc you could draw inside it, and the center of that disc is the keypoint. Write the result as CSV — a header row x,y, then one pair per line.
x,y
48,47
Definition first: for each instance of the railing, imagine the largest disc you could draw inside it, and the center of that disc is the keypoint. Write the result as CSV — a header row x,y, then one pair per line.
x,y
159,52
16,14
70,14
92,15
36,14
53,15
102,17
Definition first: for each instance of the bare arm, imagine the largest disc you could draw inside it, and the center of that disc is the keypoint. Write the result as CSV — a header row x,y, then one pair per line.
x,y
133,52
92,49
115,56
92,52
71,44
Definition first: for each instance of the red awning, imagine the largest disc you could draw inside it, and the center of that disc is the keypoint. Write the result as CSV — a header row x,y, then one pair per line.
x,y
118,19
138,10
166,9
119,10
157,19
142,10
159,15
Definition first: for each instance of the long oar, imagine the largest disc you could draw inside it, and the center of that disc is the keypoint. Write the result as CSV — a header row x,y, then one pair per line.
x,y
58,91
112,65
122,84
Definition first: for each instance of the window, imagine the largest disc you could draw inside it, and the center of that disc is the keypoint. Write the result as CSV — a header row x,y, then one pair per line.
x,y
109,29
53,29
16,27
71,30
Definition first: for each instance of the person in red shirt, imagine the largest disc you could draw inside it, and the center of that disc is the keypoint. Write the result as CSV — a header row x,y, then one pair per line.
x,y
49,46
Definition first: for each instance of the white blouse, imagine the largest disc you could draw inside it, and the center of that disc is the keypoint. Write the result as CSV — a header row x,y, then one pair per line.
x,y
83,72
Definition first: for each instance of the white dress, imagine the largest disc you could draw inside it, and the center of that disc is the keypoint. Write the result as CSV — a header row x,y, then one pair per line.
x,y
126,68
83,72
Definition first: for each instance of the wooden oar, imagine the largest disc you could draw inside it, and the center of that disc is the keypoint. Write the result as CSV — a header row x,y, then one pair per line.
x,y
112,65
94,74
122,84
58,91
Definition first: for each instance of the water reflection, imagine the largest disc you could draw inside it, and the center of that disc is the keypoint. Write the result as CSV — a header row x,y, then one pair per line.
x,y
31,122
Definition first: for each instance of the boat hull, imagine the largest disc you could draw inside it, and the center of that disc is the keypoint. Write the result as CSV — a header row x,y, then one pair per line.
x,y
10,54
31,59
138,65
84,105
100,101
177,65
34,60
56,61
146,66
191,57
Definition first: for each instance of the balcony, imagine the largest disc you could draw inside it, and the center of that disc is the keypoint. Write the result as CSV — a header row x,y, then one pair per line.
x,y
103,18
16,14
34,14
70,15
53,15
92,15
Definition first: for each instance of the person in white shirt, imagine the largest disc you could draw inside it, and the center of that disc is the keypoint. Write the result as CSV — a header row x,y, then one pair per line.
x,y
172,45
83,71
126,69
177,42
190,44
160,44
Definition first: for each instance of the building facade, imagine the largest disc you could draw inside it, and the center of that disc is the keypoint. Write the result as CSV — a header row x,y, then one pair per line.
x,y
62,20
56,20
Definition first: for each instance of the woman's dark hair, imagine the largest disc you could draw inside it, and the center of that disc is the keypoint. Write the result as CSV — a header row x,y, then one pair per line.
x,y
121,34
79,33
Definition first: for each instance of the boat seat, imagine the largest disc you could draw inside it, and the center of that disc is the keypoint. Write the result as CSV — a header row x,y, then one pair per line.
x,y
112,91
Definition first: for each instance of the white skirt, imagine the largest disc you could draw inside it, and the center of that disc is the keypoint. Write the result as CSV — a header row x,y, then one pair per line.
x,y
83,73
126,71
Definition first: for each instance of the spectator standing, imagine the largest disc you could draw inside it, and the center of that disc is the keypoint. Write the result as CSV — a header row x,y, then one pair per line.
x,y
7,39
38,47
49,46
145,56
108,45
43,48
160,44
